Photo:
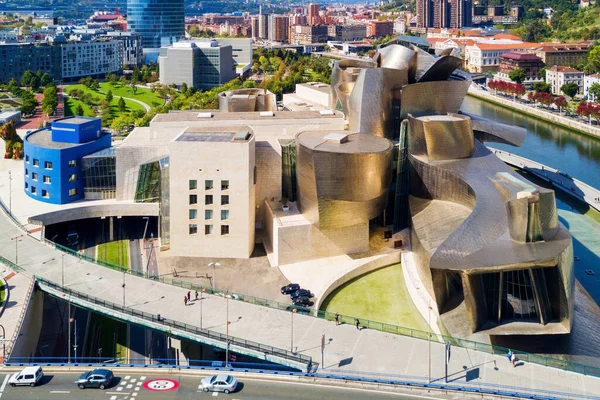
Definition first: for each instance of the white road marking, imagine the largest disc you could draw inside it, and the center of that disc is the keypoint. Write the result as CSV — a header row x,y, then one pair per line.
x,y
119,388
134,394
137,389
123,382
133,380
128,376
140,383
128,386
113,397
60,391
117,392
4,383
215,394
143,378
200,386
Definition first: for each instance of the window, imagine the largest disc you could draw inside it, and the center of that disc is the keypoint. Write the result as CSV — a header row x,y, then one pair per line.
x,y
208,199
34,176
26,172
26,185
193,184
224,214
36,162
45,193
73,177
27,159
208,185
224,185
208,214
33,190
193,214
208,229
48,164
73,192
224,229
193,229
193,199
224,200
47,179
72,163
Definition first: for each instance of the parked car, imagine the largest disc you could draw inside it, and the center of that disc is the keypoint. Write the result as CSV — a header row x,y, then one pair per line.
x,y
98,378
291,288
29,376
301,292
219,383
302,301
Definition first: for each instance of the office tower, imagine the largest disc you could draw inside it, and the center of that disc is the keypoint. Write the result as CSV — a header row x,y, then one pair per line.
x,y
160,23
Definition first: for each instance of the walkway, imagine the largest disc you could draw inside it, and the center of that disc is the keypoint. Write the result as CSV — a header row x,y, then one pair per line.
x,y
575,187
347,349
18,288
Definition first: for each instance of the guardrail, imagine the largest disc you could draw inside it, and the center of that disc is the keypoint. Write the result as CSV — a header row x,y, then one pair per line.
x,y
347,319
418,382
10,264
19,323
192,329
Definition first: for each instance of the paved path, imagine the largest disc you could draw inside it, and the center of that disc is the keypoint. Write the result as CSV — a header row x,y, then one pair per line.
x,y
348,350
18,286
575,187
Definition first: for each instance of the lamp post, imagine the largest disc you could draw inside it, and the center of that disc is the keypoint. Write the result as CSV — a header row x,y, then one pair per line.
x,y
62,266
201,298
144,240
69,333
10,192
16,239
429,339
227,333
123,286
75,345
292,331
214,266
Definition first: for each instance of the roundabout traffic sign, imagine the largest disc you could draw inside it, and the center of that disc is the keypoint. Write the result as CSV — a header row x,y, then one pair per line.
x,y
161,385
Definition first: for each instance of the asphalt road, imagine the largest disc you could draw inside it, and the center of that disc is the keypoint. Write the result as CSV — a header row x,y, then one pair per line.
x,y
125,386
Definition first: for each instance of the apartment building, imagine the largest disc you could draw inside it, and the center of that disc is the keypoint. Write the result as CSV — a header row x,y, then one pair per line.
x,y
485,57
558,75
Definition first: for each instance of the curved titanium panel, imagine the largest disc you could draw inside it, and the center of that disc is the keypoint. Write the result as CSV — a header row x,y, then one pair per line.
x,y
429,98
397,57
342,184
247,100
491,131
446,137
346,71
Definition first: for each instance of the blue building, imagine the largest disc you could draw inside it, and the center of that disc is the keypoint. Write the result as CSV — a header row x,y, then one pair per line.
x,y
53,158
159,22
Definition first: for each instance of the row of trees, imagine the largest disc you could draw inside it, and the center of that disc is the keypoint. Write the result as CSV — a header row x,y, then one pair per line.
x,y
541,96
34,80
588,110
50,101
514,89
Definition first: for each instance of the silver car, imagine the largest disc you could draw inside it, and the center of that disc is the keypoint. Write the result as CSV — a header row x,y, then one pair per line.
x,y
219,383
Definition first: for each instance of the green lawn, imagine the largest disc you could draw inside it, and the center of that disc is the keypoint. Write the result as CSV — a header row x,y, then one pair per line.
x,y
70,104
116,252
377,296
144,95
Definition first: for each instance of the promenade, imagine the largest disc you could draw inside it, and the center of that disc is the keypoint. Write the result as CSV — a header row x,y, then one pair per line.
x,y
347,349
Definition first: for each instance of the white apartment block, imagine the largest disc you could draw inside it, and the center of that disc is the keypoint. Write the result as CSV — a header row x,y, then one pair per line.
x,y
485,57
95,58
558,75
588,81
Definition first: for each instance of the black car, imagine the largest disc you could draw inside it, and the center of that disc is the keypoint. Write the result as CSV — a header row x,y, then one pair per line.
x,y
300,293
302,301
291,288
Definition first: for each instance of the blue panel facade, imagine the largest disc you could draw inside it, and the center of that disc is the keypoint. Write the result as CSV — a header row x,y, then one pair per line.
x,y
159,22
53,170
76,130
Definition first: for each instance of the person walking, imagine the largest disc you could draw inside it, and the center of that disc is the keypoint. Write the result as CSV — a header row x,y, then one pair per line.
x,y
357,323
196,295
337,318
185,300
509,355
513,359
189,295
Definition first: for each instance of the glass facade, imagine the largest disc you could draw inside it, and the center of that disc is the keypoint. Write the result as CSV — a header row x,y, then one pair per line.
x,y
99,175
159,22
288,169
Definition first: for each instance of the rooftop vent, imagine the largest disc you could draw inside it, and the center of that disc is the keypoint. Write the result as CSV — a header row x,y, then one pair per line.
x,y
336,138
326,112
205,115
242,136
267,114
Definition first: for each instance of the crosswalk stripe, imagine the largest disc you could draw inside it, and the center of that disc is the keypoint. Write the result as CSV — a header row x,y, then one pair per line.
x,y
4,383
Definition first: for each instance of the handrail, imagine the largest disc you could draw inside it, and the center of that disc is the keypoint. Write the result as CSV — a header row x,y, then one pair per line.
x,y
19,323
228,339
347,319
358,376
10,215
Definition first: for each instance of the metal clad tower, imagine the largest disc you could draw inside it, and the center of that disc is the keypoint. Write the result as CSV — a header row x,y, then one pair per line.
x,y
159,22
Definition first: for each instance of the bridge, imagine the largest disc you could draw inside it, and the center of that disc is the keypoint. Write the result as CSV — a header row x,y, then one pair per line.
x,y
347,350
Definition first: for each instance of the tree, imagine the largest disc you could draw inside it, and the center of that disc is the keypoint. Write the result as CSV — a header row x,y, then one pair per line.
x,y
517,75
109,96
123,80
50,101
584,110
536,31
111,79
593,60
561,103
184,87
121,123
46,79
79,109
570,89
545,99
249,84
94,85
541,87
26,78
121,105
594,92
13,86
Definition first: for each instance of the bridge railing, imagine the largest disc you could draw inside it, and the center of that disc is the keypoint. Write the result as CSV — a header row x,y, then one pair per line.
x,y
172,324
409,381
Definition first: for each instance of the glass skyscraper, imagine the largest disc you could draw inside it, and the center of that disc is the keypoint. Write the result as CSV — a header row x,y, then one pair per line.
x,y
159,22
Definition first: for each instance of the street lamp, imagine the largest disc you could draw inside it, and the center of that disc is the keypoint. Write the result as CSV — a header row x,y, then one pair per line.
x,y
75,345
227,333
16,239
10,193
62,264
123,286
292,331
144,238
214,266
429,339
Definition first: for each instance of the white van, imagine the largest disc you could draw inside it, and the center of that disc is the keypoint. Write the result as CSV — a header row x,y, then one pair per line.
x,y
28,376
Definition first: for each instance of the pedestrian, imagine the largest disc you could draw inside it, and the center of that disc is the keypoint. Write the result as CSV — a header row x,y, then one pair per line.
x,y
185,300
189,295
357,323
513,359
337,318
509,355
196,294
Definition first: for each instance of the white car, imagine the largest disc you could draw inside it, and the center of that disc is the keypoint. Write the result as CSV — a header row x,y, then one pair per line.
x,y
219,383
29,376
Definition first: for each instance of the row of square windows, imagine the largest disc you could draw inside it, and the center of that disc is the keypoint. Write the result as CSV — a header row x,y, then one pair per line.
x,y
208,185
208,229
48,164
208,214
48,179
208,199
46,193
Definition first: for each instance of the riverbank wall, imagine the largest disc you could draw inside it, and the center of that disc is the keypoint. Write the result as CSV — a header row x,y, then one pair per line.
x,y
538,113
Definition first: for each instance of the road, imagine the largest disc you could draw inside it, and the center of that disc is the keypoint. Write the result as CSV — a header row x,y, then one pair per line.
x,y
125,386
